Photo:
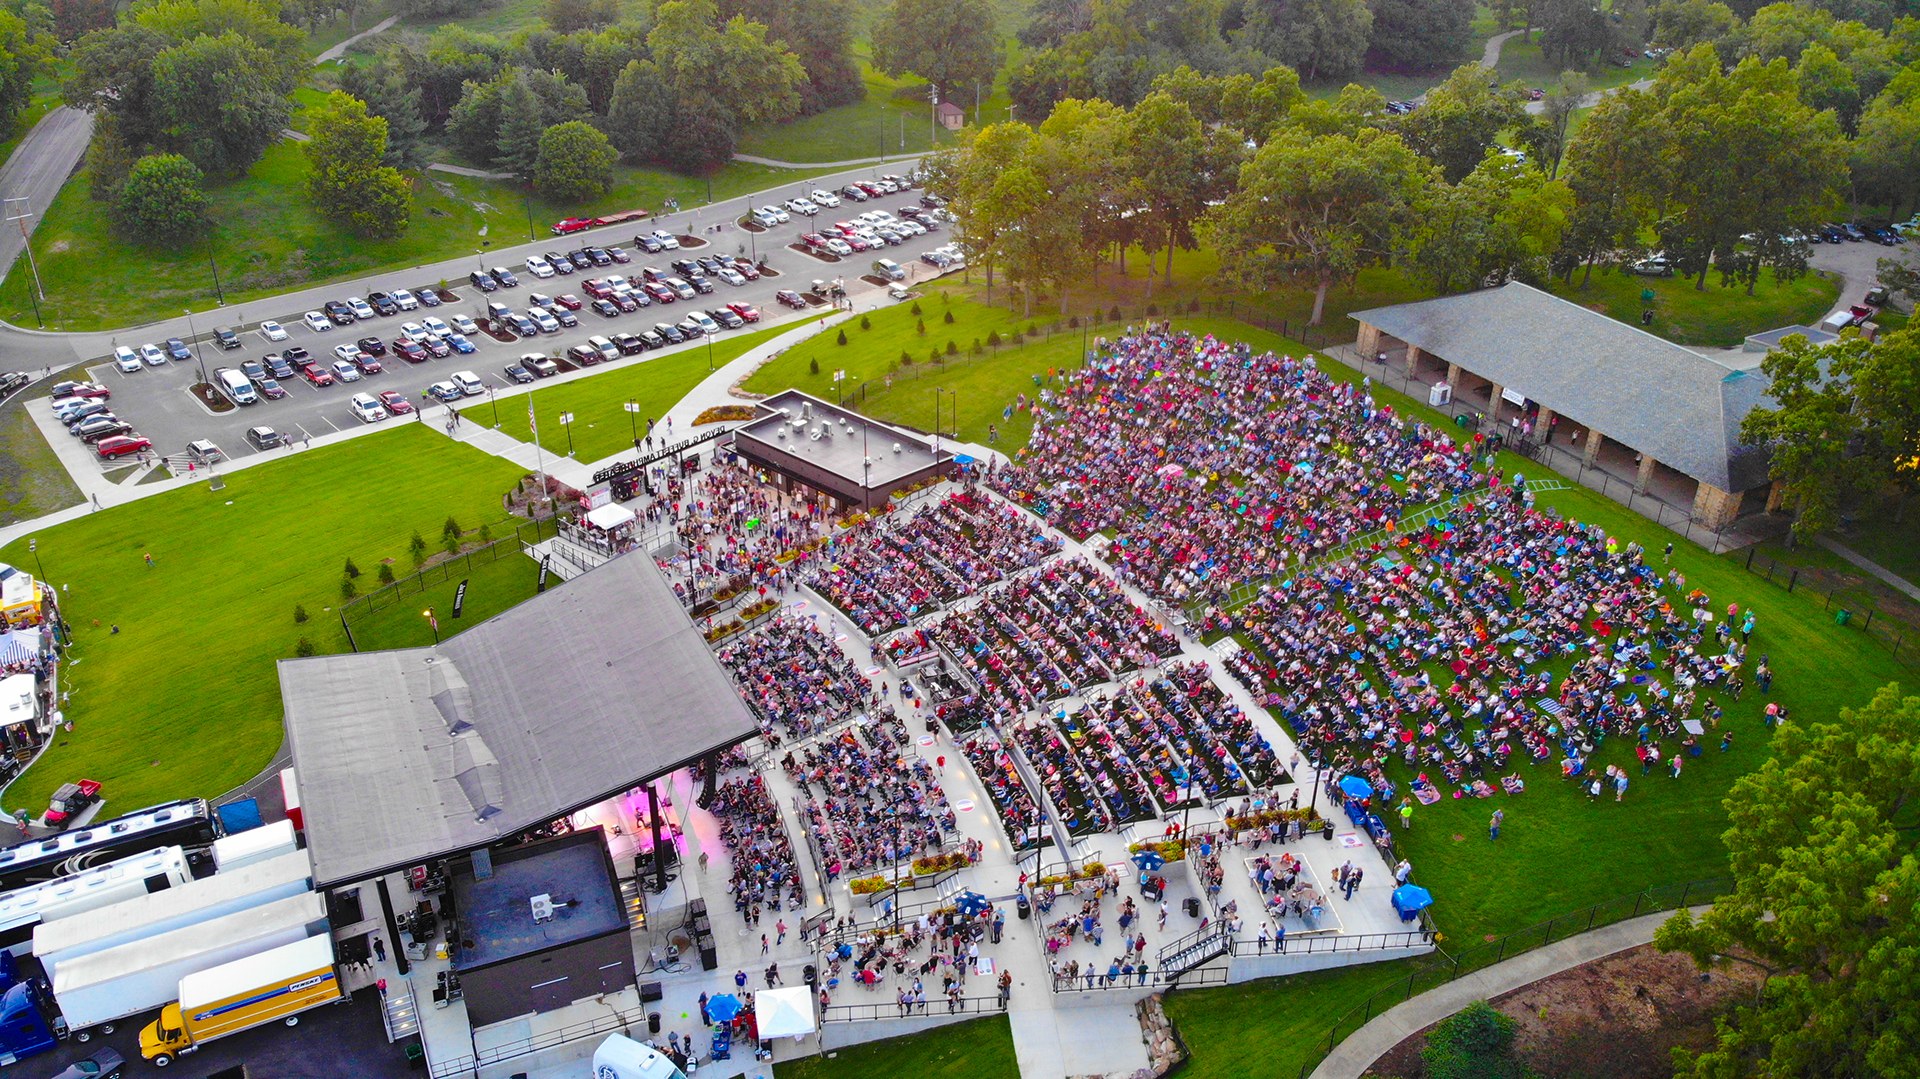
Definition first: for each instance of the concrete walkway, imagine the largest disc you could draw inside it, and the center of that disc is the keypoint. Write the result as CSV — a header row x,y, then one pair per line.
x,y
1352,1057
1890,578
340,50
752,159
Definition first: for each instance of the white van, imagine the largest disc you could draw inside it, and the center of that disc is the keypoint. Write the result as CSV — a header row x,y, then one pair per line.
x,y
469,383
236,386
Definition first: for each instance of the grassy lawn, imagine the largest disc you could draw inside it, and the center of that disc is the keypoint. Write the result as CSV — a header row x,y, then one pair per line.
x,y
332,31
1887,541
601,425
1523,61
889,122
1718,316
1221,1032
183,700
33,482
976,1049
397,618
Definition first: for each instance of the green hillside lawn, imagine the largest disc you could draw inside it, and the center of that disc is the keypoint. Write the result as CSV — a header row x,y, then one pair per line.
x,y
601,425
976,1049
184,699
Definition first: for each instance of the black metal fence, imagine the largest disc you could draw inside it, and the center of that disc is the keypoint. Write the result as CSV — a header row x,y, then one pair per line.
x,y
1438,969
1893,631
893,1009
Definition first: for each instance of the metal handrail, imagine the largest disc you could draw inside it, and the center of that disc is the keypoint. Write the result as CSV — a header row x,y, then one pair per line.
x,y
926,1009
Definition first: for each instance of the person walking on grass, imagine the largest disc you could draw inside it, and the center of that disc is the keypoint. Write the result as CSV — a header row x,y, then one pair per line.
x,y
1493,824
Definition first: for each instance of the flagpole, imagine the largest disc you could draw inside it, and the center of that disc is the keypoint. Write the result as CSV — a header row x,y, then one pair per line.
x,y
539,459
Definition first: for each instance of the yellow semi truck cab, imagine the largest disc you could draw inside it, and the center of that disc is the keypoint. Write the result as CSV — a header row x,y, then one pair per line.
x,y
279,983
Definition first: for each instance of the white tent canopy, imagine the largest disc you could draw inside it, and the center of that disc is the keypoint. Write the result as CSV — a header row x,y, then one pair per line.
x,y
610,516
784,1013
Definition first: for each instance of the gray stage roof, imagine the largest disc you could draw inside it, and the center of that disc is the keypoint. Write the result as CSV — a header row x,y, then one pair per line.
x,y
1640,390
568,698
843,451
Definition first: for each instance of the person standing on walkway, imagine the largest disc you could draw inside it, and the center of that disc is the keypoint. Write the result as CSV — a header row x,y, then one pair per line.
x,y
1353,881
1493,825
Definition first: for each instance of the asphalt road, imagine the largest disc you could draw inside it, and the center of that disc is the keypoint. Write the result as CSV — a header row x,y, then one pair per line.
x,y
342,1040
157,401
39,165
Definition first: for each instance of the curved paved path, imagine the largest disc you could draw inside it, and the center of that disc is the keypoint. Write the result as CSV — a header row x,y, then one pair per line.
x,y
854,164
1351,1058
340,50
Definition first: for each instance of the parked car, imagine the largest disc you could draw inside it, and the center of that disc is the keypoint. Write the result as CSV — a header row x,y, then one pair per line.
x,y
99,427
745,268
567,226
153,356
464,324
271,389
126,359
405,300
365,408
803,207
628,344
668,241
518,373
437,347
619,255
1657,266
539,267
395,403
606,308
428,297
483,281
345,371
382,303
338,312
317,322
649,243
63,390
652,339
540,365
445,392
177,350
372,346
826,199
789,298
746,311
505,277
360,308
316,375
109,448
766,218
469,383
273,331
367,364
277,366
584,355
561,264
460,343
265,438
667,332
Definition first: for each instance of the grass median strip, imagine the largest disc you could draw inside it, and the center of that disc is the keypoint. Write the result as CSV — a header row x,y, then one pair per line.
x,y
601,424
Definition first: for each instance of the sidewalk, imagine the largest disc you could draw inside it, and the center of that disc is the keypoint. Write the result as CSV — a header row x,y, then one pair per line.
x,y
1890,578
1352,1057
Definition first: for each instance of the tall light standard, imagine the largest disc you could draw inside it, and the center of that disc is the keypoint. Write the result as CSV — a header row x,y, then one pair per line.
x,y
633,422
709,338
19,217
194,344
938,391
566,421
33,548
433,621
933,116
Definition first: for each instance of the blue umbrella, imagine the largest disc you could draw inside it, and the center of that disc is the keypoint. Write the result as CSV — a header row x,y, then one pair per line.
x,y
1412,897
962,459
1356,787
723,1008
971,903
1149,860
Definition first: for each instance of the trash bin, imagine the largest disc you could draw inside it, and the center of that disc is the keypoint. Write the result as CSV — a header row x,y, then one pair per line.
x,y
1842,616
1193,906
653,1022
1326,831
1022,907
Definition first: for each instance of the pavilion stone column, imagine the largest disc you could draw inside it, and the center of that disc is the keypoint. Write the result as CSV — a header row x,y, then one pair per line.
x,y
1776,496
1368,343
1645,477
1414,353
1715,508
1494,403
1453,375
1590,449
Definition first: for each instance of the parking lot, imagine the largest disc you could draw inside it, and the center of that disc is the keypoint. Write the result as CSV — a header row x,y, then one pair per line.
x,y
158,400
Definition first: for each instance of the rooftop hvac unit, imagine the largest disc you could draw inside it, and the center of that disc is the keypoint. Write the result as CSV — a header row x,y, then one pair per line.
x,y
542,908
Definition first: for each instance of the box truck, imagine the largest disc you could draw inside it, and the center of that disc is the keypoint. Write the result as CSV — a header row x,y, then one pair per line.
x,y
275,985
237,849
94,992
24,909
60,942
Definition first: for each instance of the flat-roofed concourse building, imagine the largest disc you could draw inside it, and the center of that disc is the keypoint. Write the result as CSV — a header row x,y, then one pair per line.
x,y
804,443
1611,393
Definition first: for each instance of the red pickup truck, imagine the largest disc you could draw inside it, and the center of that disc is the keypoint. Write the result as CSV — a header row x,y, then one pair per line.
x,y
569,226
69,801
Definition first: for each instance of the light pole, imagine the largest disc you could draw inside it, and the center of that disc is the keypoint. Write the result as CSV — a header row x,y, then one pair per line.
x,y
496,405
933,116
480,253
938,391
709,338
194,344
434,622
566,421
38,293
633,422
33,548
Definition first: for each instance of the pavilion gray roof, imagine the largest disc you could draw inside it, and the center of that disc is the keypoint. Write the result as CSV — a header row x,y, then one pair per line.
x,y
567,699
1681,407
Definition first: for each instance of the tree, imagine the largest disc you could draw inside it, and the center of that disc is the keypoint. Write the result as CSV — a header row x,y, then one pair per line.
x,y
1546,137
516,143
1167,162
641,114
820,35
1462,117
1500,222
1421,35
1574,33
22,55
1826,901
161,201
753,80
1317,208
703,135
1743,156
348,181
72,18
1682,24
250,86
1807,434
1050,22
1474,1043
575,163
391,99
109,158
567,16
1826,83
1886,154
1614,171
1321,39
952,44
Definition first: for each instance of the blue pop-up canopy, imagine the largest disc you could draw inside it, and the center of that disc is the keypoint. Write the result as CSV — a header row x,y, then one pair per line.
x,y
1411,898
1356,787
